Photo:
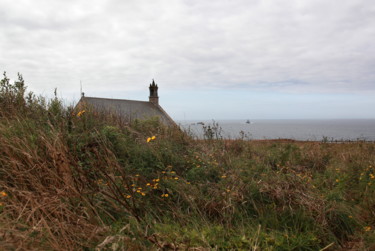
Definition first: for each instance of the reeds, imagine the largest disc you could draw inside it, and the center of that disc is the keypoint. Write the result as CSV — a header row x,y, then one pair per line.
x,y
78,180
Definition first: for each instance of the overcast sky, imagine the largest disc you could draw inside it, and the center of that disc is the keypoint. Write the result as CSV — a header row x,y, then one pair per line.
x,y
211,59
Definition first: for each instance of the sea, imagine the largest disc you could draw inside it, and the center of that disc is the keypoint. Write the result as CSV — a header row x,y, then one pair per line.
x,y
331,130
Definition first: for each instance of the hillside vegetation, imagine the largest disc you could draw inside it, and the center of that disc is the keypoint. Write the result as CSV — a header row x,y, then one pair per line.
x,y
75,179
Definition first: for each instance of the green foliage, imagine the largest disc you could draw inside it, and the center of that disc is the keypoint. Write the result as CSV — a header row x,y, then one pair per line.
x,y
89,180
12,95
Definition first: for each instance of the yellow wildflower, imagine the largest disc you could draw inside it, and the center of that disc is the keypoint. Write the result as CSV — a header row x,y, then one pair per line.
x,y
79,114
3,194
150,138
367,229
224,176
176,178
165,195
143,194
337,180
128,196
148,184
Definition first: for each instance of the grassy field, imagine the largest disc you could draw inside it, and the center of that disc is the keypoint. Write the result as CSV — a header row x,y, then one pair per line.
x,y
76,180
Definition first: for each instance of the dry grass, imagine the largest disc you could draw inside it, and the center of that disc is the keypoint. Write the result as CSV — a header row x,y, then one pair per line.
x,y
92,181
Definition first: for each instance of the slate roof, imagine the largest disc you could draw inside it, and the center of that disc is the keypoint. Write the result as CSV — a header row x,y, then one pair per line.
x,y
129,109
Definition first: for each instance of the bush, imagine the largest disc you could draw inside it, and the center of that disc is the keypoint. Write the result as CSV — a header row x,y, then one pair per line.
x,y
93,181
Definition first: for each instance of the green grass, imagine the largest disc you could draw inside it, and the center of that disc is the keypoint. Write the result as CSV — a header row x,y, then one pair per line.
x,y
93,181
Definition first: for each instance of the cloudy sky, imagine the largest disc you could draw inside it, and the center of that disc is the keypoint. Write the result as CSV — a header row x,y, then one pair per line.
x,y
233,59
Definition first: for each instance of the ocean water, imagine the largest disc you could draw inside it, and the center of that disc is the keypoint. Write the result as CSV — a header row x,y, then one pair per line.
x,y
314,130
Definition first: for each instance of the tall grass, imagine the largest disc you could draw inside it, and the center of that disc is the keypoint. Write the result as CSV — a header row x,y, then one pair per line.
x,y
96,181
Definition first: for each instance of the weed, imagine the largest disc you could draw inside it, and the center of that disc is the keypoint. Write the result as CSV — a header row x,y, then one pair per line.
x,y
82,180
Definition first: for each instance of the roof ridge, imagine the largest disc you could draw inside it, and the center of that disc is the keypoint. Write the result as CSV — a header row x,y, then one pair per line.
x,y
119,99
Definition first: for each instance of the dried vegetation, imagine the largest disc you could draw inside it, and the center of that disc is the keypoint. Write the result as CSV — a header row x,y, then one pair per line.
x,y
73,180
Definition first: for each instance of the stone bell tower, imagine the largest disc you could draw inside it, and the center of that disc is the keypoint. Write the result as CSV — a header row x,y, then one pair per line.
x,y
154,98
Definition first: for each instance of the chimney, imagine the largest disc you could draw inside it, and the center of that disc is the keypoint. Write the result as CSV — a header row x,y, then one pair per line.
x,y
154,98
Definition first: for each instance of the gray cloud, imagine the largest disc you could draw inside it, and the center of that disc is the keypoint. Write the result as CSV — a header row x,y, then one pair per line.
x,y
112,46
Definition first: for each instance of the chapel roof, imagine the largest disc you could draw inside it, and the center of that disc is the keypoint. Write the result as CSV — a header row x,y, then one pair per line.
x,y
129,109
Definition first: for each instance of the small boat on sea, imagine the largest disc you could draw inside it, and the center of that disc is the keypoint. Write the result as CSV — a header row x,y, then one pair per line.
x,y
248,122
